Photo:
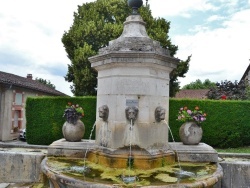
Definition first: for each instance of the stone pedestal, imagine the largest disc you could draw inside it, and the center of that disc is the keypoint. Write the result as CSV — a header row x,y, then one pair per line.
x,y
194,153
186,153
63,148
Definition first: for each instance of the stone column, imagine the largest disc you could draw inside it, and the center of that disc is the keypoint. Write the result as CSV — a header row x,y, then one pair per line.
x,y
134,71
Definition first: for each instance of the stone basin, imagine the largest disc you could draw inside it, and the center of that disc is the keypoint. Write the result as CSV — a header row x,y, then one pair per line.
x,y
56,167
62,172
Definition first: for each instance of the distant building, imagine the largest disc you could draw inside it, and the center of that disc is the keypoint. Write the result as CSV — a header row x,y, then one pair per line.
x,y
14,91
192,93
246,75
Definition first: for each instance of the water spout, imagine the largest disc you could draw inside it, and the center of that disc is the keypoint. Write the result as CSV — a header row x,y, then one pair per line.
x,y
130,145
85,155
178,160
181,173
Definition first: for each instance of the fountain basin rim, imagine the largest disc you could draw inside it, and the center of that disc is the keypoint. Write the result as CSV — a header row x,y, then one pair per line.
x,y
58,177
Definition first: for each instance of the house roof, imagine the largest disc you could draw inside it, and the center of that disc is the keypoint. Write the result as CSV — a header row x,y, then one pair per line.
x,y
245,73
28,83
192,93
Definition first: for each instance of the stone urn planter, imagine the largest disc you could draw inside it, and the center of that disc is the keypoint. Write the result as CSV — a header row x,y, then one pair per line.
x,y
190,133
73,132
73,129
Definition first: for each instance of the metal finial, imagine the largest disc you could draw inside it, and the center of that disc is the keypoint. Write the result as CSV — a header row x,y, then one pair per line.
x,y
135,5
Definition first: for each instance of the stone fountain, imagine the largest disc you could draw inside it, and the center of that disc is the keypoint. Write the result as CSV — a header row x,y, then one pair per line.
x,y
132,113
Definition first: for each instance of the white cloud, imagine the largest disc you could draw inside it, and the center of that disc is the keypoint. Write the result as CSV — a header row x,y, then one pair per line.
x,y
198,28
167,8
215,18
33,30
34,27
218,54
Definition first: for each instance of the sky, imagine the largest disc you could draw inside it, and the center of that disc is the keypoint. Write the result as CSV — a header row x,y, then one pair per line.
x,y
215,32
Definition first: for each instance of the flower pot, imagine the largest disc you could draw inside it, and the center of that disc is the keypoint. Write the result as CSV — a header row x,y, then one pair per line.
x,y
190,133
73,132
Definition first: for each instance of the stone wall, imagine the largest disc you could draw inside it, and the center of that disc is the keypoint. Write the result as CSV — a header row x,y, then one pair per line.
x,y
236,174
21,165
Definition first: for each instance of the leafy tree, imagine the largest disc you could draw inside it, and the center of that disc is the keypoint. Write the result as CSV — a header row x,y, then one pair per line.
x,y
229,90
46,82
180,71
198,84
97,23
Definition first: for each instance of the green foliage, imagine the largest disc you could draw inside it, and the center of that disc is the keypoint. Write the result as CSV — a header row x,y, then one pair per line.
x,y
198,84
46,82
44,117
180,71
229,90
97,23
185,115
227,122
234,150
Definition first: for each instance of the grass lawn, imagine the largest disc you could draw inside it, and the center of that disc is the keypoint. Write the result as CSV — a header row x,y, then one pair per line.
x,y
234,150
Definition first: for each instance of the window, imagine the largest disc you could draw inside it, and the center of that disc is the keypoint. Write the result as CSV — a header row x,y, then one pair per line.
x,y
18,99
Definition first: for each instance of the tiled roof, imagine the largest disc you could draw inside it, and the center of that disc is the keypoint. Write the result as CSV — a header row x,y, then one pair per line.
x,y
192,93
7,78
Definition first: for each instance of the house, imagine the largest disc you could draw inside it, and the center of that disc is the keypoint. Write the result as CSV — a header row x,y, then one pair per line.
x,y
14,91
246,75
192,93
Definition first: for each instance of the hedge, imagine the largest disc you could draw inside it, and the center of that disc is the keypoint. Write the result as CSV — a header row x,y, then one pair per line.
x,y
44,117
227,124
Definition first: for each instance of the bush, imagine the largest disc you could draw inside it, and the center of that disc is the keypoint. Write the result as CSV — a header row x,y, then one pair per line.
x,y
227,124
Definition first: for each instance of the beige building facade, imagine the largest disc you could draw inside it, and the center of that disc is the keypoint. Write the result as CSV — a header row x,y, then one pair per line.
x,y
14,91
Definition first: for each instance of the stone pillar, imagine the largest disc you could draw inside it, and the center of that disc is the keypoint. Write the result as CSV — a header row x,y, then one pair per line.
x,y
134,71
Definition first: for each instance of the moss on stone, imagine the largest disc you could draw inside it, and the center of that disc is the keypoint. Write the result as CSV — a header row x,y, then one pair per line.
x,y
166,178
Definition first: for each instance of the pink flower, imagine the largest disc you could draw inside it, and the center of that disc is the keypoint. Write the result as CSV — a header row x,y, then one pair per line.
x,y
203,119
189,111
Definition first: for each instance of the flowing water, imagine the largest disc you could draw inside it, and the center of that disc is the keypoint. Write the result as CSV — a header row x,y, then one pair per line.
x,y
84,168
129,178
90,136
181,172
130,145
